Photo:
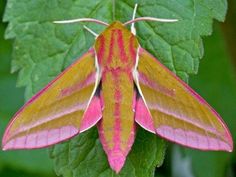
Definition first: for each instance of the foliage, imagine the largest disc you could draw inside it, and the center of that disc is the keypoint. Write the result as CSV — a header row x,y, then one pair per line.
x,y
43,49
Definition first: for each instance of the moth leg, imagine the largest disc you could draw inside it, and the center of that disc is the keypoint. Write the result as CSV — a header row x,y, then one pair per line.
x,y
91,31
133,30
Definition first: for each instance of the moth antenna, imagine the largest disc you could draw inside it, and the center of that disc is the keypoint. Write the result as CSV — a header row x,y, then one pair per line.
x,y
82,20
91,31
133,30
150,19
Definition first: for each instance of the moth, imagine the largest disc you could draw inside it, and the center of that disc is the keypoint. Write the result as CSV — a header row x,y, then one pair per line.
x,y
117,85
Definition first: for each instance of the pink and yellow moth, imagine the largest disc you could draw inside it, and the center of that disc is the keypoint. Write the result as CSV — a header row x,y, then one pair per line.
x,y
116,85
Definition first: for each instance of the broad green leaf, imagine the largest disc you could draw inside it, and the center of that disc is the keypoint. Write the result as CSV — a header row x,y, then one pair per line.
x,y
83,156
43,49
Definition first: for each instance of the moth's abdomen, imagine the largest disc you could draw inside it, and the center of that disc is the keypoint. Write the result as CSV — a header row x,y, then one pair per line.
x,y
116,128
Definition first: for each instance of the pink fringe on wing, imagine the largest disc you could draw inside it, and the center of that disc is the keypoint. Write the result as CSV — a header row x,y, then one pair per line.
x,y
143,116
92,115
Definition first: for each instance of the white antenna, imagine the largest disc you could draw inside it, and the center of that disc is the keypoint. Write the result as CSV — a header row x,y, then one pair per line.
x,y
133,30
150,19
82,20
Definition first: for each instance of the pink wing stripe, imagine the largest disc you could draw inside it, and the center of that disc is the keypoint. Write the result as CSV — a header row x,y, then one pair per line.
x,y
144,119
6,134
143,116
41,139
92,115
192,92
48,137
193,140
188,137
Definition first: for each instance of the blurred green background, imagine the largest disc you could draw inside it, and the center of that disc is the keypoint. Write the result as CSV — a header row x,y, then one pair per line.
x,y
215,81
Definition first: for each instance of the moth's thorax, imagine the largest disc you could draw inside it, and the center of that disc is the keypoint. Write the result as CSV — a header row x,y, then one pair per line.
x,y
116,47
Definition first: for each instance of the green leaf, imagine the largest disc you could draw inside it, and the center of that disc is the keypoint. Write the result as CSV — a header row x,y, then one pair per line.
x,y
84,156
43,49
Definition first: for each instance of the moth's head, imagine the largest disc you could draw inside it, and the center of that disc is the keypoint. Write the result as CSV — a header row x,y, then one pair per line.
x,y
114,27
